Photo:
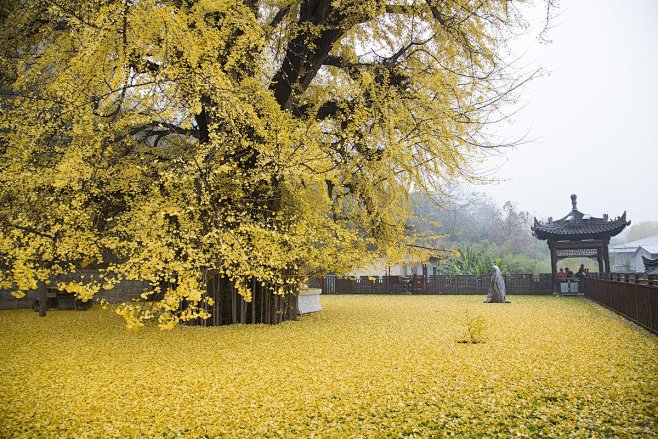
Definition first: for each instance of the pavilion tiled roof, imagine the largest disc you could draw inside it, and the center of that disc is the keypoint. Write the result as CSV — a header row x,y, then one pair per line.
x,y
650,265
576,226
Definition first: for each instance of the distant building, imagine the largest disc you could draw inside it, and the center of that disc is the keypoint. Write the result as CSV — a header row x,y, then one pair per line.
x,y
627,258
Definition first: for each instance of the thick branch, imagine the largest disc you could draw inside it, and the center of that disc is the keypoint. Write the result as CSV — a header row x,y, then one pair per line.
x,y
307,51
278,18
160,127
326,110
141,65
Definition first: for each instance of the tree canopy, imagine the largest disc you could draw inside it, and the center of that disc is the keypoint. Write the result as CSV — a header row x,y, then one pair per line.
x,y
166,140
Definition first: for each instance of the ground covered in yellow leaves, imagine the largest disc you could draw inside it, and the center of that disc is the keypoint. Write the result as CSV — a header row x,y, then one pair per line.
x,y
366,366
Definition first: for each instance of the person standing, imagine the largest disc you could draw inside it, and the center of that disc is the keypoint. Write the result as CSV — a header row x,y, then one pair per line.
x,y
561,275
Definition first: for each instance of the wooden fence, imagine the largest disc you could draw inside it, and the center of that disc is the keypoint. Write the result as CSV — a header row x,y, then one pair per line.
x,y
635,296
441,284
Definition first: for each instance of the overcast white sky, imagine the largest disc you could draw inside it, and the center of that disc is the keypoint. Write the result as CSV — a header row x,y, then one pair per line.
x,y
594,115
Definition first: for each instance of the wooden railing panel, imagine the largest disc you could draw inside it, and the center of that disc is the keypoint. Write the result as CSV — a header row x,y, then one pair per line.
x,y
438,284
634,296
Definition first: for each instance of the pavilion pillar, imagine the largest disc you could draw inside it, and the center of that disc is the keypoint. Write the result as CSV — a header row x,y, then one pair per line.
x,y
606,258
551,246
599,259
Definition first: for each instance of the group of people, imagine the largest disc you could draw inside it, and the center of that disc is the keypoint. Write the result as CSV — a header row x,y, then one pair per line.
x,y
566,274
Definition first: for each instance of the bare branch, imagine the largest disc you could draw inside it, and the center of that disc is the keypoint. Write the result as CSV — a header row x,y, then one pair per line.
x,y
72,14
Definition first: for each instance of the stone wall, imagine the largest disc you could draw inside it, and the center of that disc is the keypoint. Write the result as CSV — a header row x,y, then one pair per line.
x,y
125,291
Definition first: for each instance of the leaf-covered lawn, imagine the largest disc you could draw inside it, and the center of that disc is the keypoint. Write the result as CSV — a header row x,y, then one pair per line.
x,y
366,366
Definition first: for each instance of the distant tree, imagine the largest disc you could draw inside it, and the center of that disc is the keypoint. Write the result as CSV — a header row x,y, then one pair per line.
x,y
514,222
474,221
475,262
480,219
642,229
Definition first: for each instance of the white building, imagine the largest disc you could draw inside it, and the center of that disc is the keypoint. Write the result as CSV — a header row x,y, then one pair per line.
x,y
429,268
627,257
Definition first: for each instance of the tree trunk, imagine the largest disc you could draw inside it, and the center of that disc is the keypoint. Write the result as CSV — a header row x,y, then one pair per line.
x,y
230,308
43,299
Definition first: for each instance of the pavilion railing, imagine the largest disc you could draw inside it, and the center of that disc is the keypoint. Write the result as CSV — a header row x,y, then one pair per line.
x,y
439,284
633,295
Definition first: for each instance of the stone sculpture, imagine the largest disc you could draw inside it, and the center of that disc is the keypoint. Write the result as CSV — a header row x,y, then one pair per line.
x,y
496,287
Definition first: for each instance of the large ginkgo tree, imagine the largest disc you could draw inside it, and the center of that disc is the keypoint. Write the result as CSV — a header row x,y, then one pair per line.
x,y
221,149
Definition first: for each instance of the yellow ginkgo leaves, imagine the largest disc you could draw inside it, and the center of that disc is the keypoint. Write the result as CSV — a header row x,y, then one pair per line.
x,y
365,366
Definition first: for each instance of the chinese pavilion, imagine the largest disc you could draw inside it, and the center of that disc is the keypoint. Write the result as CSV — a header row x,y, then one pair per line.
x,y
579,235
